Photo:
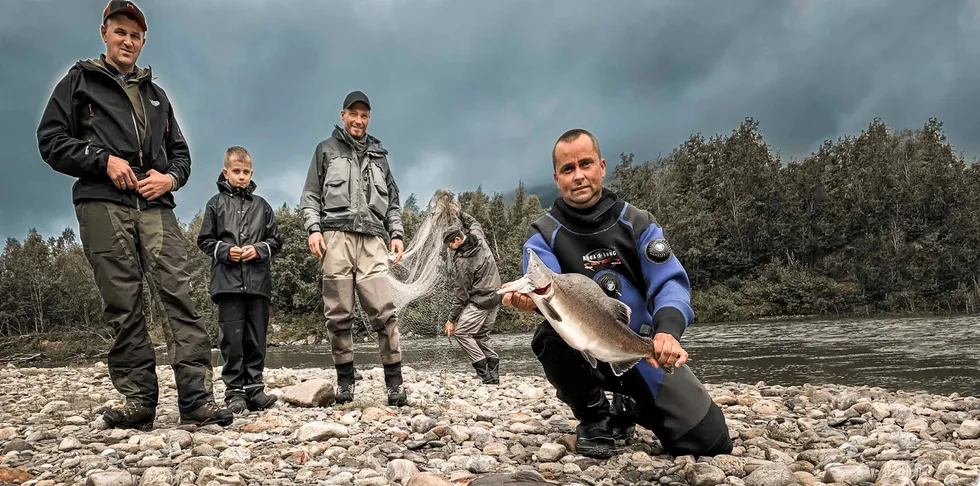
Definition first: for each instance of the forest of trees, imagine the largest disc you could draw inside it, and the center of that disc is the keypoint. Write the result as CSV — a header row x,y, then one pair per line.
x,y
881,222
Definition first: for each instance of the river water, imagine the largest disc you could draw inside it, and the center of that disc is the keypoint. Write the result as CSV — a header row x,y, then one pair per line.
x,y
936,355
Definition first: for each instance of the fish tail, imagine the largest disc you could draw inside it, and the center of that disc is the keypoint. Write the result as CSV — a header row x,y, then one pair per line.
x,y
648,344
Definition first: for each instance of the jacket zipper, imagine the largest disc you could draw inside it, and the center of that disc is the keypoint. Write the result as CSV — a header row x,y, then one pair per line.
x,y
140,142
146,126
136,127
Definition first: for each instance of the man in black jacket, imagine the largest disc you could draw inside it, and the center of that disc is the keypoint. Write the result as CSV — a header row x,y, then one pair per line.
x,y
111,127
240,234
475,299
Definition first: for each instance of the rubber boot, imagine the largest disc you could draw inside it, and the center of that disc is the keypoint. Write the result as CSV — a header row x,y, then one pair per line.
x,y
345,383
481,369
493,371
393,385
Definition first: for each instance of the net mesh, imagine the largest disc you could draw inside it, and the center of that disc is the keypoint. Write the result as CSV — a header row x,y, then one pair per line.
x,y
421,283
421,270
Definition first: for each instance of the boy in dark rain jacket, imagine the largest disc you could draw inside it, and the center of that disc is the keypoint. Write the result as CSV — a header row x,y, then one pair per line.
x,y
240,234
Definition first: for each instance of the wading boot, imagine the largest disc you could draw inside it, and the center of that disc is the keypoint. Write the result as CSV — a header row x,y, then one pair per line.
x,y
481,369
393,385
259,400
130,416
345,383
493,371
207,414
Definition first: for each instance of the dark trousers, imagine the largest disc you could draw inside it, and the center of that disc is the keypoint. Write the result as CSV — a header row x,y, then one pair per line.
x,y
243,321
676,409
124,245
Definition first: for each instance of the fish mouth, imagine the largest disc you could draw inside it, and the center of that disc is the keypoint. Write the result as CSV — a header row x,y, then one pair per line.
x,y
543,290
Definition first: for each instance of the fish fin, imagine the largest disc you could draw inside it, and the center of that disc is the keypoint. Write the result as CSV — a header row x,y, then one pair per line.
x,y
550,311
620,367
623,313
590,359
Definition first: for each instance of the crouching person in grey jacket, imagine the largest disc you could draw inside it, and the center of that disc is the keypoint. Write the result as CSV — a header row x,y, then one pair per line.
x,y
240,234
475,300
350,208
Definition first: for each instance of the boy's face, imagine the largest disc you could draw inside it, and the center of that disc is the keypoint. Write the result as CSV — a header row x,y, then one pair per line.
x,y
238,172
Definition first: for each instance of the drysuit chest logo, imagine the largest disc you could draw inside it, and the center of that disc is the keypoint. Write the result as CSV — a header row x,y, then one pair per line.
x,y
597,258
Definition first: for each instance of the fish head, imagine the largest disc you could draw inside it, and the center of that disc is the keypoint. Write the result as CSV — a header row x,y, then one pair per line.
x,y
537,279
539,276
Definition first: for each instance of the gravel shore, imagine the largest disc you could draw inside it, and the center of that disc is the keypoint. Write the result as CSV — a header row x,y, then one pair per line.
x,y
458,431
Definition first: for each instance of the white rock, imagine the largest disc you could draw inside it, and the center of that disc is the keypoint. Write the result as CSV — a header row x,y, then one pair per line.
x,y
321,431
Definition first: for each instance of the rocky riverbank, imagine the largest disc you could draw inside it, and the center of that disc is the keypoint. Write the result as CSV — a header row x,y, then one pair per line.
x,y
457,431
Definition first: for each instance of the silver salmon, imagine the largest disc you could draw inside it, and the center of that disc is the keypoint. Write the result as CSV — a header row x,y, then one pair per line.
x,y
584,316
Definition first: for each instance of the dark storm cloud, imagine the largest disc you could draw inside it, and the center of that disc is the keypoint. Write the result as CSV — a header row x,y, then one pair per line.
x,y
471,92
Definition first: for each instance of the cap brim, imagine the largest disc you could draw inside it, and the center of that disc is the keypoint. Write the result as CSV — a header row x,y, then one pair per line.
x,y
133,13
368,105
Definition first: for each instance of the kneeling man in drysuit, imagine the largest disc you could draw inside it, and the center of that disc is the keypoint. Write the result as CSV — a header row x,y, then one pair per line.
x,y
590,231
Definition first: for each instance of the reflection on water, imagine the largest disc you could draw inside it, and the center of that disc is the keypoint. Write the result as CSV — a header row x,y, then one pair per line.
x,y
938,355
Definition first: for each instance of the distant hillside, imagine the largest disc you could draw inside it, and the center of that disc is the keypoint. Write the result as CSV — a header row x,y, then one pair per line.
x,y
547,193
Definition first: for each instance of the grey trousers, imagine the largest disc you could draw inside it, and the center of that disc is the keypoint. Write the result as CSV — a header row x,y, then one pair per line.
x,y
473,332
358,263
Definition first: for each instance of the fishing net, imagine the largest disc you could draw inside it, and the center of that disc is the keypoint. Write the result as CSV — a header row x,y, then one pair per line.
x,y
422,285
422,269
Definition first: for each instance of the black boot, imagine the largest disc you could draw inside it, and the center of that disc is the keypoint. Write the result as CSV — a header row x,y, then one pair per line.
x,y
481,369
257,399
393,385
345,383
493,371
595,439
236,403
623,418
594,433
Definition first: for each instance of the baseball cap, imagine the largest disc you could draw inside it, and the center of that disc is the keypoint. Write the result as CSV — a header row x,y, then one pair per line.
x,y
354,97
122,6
450,234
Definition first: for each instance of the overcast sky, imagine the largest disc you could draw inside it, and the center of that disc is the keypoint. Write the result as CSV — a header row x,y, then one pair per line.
x,y
468,91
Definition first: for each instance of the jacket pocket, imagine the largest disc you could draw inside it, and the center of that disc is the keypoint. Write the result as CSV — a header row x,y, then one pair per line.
x,y
378,199
336,185
160,161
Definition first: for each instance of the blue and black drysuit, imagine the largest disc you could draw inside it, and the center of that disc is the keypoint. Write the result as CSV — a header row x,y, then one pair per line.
x,y
624,250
